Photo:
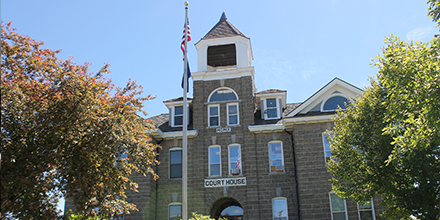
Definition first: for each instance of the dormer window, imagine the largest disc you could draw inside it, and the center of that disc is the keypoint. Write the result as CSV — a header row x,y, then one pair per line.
x,y
333,102
271,108
176,116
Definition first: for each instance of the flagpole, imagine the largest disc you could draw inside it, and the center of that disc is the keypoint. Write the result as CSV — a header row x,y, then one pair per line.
x,y
185,125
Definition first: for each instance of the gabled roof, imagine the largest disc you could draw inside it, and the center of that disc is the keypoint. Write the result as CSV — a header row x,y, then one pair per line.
x,y
335,85
270,91
223,28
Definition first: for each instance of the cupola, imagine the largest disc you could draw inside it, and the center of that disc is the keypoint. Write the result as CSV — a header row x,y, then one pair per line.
x,y
223,47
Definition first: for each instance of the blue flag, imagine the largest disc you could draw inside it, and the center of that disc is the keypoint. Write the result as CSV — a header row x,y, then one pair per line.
x,y
187,80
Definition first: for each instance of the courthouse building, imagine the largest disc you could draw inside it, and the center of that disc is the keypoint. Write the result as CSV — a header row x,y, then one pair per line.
x,y
251,155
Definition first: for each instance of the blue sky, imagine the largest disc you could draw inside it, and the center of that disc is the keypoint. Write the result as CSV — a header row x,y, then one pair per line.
x,y
297,46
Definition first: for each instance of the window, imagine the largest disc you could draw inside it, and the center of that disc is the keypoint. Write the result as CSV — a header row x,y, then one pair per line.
x,y
176,116
279,208
271,108
223,94
338,207
214,115
326,142
232,111
333,102
222,55
276,162
234,160
175,211
366,210
176,163
214,161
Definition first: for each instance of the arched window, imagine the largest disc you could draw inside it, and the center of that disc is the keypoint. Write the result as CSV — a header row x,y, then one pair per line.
x,y
223,94
333,102
279,208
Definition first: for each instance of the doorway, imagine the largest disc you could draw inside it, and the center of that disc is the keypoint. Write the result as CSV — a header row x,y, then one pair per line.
x,y
227,208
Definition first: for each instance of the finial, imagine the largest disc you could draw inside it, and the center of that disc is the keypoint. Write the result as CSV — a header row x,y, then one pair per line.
x,y
186,3
223,16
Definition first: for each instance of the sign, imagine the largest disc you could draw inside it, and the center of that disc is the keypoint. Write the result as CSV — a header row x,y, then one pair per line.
x,y
241,181
222,130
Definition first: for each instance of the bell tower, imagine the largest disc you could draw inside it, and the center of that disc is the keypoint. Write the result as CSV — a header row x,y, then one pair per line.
x,y
223,47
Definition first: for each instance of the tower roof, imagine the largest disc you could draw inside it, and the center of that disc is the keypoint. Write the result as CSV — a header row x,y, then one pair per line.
x,y
223,28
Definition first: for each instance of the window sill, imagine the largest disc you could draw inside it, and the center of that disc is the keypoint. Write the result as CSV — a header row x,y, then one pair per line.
x,y
276,173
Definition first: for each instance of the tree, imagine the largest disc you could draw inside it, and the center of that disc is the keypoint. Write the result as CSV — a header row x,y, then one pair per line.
x,y
67,132
388,141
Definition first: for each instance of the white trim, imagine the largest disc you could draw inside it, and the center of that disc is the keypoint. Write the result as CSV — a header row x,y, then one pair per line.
x,y
229,158
345,205
169,161
209,115
309,119
372,210
209,160
262,128
331,96
280,198
174,204
173,116
175,134
282,155
227,113
223,74
171,104
322,91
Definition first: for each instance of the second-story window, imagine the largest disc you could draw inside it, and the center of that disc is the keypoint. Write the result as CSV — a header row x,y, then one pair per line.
x,y
235,162
276,160
214,161
176,163
178,116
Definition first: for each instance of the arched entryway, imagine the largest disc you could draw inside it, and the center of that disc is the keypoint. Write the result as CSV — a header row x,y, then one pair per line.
x,y
228,208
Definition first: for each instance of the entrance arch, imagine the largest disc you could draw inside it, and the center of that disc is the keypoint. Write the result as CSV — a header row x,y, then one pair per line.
x,y
228,208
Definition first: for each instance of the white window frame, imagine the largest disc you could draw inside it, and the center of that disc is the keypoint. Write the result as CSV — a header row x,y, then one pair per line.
x,y
215,90
173,115
169,162
209,160
264,108
229,160
365,210
273,212
237,114
270,159
174,204
209,115
325,150
331,207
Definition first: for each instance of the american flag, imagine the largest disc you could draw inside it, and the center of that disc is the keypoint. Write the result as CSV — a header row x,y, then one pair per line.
x,y
238,162
182,46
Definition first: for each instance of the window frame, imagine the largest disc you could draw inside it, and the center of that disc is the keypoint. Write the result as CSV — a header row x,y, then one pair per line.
x,y
264,108
209,160
174,204
331,96
270,157
331,206
169,162
218,115
365,210
237,114
217,89
230,162
172,115
324,138
287,210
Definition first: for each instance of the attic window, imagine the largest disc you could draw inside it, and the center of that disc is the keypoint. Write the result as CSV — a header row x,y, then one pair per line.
x,y
223,94
333,102
222,55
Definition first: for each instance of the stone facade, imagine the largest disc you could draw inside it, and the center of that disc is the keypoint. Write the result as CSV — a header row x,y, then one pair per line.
x,y
290,184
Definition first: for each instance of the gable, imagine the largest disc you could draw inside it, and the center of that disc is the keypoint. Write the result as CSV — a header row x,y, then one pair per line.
x,y
335,90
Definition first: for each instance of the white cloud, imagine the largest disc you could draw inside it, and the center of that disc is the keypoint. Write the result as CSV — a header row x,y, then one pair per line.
x,y
420,33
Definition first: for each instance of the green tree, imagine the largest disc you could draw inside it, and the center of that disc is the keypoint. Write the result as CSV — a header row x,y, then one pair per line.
x,y
66,132
434,11
388,141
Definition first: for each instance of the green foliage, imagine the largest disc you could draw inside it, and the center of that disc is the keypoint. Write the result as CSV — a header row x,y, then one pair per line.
x,y
434,11
72,216
202,217
388,141
63,132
